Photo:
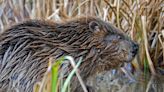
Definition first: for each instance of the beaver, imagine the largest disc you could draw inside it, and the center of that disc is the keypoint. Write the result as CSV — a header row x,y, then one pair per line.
x,y
26,47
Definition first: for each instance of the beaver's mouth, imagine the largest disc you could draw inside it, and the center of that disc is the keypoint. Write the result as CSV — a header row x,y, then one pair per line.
x,y
133,53
130,57
134,50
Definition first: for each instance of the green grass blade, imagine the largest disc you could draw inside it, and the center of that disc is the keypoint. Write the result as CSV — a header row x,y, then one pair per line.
x,y
55,69
71,75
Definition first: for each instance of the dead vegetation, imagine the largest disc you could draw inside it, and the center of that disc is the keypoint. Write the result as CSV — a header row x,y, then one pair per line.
x,y
142,20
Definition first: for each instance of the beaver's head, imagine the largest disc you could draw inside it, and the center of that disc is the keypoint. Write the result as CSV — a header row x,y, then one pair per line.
x,y
112,45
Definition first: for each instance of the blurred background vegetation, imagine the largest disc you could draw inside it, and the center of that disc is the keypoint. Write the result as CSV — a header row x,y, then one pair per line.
x,y
141,20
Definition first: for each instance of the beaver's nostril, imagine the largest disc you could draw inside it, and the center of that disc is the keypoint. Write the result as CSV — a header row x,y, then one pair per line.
x,y
135,48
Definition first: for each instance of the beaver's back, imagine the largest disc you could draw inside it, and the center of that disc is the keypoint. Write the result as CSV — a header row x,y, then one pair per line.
x,y
23,54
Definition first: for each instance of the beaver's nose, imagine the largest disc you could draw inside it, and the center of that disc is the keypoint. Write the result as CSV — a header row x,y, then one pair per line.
x,y
135,47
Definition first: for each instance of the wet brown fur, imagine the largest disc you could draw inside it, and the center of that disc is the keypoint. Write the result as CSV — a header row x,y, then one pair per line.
x,y
26,47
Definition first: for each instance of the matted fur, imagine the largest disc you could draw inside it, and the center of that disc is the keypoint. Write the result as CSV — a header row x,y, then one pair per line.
x,y
26,47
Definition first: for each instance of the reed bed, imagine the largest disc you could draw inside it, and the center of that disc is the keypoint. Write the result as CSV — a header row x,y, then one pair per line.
x,y
142,20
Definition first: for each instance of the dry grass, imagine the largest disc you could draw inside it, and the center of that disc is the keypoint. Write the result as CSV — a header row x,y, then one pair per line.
x,y
142,20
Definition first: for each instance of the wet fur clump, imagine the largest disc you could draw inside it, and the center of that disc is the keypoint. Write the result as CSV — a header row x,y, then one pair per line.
x,y
26,47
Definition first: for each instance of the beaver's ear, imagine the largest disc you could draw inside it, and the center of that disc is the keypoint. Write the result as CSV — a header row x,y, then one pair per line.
x,y
94,26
